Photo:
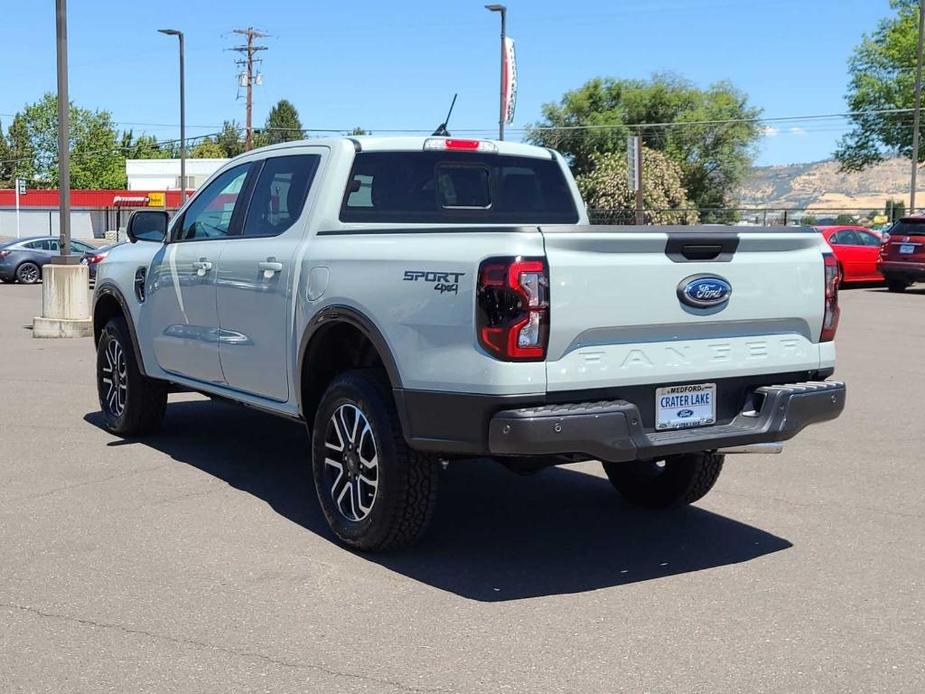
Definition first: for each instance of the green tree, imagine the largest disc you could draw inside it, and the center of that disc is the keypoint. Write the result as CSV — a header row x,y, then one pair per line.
x,y
144,147
606,191
97,160
359,131
882,78
21,154
808,220
6,161
282,125
845,218
230,140
207,149
710,133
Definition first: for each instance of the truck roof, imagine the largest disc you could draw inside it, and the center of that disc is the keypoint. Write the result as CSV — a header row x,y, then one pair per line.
x,y
413,143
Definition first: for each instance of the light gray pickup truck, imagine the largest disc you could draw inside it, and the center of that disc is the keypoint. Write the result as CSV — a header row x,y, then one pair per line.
x,y
416,301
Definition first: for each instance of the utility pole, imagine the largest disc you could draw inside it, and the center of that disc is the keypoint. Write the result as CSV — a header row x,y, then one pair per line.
x,y
918,103
249,49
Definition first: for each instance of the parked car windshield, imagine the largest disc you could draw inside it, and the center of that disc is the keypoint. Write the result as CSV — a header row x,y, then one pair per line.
x,y
908,227
446,187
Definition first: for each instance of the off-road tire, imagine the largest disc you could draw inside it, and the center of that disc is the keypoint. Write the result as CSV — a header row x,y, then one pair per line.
x,y
896,286
682,480
145,398
406,494
28,273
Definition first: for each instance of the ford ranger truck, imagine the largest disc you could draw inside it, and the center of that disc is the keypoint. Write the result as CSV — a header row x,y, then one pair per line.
x,y
418,301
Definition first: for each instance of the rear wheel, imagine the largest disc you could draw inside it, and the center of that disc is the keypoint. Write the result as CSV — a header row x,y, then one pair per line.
x,y
375,492
674,481
132,404
28,273
896,285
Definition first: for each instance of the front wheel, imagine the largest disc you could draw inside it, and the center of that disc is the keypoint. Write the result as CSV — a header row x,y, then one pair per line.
x,y
375,492
674,481
132,404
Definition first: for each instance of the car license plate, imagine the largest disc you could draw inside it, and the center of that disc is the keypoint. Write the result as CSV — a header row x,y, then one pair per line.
x,y
907,248
683,407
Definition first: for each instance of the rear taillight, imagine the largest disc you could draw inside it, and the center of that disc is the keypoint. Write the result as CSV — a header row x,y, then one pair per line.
x,y
4,254
830,318
513,308
98,258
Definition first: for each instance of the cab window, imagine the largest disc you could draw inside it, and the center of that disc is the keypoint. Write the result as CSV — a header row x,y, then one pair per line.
x,y
279,194
211,214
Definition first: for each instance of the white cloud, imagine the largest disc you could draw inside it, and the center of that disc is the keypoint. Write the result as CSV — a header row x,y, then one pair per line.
x,y
797,130
769,131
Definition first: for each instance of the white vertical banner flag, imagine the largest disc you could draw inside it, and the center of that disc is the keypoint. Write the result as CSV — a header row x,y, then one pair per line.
x,y
510,81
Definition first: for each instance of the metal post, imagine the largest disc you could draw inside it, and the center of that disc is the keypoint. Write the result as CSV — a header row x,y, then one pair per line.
x,y
918,103
640,204
503,113
64,169
179,35
501,105
182,124
16,183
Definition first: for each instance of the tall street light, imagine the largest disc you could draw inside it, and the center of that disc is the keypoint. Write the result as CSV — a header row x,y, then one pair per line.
x,y
918,104
64,168
501,106
179,35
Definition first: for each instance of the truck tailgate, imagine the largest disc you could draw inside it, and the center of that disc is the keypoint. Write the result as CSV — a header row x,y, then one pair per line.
x,y
616,317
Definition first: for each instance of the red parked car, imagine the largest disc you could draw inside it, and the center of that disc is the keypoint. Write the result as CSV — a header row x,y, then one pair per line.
x,y
857,250
902,256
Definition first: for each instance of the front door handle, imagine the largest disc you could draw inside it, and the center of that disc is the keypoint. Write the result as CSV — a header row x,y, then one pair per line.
x,y
269,267
202,266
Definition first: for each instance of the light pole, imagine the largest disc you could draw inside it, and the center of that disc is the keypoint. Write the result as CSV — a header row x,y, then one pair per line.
x,y
501,106
918,103
64,158
65,299
179,35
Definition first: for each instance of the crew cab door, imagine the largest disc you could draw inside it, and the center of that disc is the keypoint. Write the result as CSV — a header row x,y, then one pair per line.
x,y
256,277
180,318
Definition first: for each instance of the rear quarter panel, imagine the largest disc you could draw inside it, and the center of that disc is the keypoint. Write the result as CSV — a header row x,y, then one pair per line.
x,y
430,333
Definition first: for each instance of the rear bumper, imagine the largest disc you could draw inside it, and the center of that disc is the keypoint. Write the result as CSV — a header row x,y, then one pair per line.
x,y
611,430
892,269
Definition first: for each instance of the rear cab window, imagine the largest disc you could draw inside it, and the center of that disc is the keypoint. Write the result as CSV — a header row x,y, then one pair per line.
x,y
908,227
442,187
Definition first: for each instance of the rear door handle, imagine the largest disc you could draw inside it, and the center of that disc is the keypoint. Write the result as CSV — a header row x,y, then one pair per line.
x,y
269,267
202,266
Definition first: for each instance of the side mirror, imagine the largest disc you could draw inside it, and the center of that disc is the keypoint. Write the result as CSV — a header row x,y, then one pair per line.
x,y
147,225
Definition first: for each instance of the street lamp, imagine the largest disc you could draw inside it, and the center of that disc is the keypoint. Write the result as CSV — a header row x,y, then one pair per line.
x,y
501,107
179,34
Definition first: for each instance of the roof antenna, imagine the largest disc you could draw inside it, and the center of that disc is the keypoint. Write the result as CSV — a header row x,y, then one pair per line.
x,y
442,131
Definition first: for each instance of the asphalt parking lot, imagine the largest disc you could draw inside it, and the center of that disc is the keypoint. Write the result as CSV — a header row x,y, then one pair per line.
x,y
199,560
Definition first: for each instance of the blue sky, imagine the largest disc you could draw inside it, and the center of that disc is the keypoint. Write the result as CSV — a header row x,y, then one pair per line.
x,y
396,64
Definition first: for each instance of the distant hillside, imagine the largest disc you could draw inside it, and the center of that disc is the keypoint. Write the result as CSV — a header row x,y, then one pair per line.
x,y
820,185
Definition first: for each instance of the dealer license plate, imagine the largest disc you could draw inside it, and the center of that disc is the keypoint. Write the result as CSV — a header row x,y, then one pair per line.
x,y
683,407
907,248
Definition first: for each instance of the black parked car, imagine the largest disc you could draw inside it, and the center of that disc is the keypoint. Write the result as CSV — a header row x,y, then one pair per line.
x,y
22,260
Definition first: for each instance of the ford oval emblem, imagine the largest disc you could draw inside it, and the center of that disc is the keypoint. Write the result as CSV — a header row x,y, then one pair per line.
x,y
684,414
704,291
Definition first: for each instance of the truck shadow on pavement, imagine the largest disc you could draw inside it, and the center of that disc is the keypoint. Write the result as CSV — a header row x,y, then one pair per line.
x,y
496,536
